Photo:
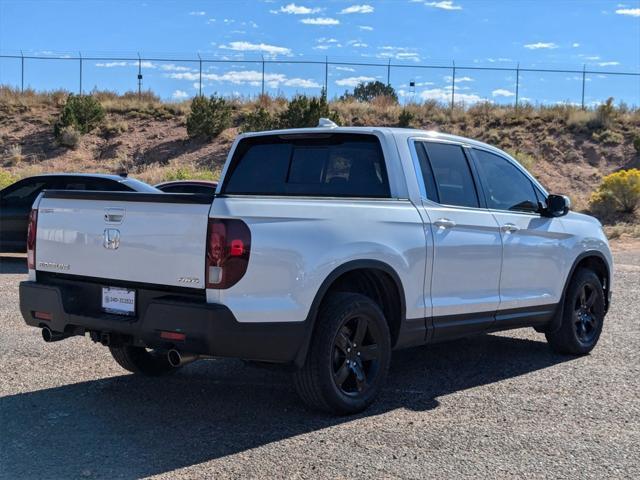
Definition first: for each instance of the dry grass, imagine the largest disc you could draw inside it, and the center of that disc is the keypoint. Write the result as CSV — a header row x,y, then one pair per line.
x,y
568,149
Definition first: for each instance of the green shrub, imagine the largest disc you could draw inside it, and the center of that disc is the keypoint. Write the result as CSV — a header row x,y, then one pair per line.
x,y
526,160
208,117
83,113
605,114
618,192
189,173
636,143
6,179
303,111
608,137
405,118
258,120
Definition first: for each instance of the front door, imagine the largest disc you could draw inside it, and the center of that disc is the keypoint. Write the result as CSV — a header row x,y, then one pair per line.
x,y
467,243
533,260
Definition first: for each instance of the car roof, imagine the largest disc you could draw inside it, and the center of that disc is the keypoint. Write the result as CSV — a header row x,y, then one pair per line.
x,y
105,176
206,183
395,131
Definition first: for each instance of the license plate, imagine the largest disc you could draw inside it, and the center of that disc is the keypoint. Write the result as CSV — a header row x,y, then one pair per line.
x,y
119,300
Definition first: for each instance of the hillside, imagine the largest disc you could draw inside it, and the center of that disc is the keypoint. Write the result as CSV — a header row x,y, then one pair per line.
x,y
569,150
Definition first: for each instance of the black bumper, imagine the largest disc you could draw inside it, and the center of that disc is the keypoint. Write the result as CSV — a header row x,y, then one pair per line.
x,y
210,329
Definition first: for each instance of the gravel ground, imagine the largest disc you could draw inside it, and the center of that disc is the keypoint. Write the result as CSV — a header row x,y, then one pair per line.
x,y
497,405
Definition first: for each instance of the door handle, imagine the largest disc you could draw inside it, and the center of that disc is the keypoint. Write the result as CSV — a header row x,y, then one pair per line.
x,y
510,228
444,223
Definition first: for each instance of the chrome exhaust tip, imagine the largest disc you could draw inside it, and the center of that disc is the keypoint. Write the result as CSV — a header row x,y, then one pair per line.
x,y
49,335
178,359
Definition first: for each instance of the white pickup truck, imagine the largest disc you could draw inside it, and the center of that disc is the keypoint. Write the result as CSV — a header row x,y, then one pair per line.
x,y
324,249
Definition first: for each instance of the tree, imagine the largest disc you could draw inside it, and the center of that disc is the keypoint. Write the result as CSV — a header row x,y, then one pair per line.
x,y
365,92
208,117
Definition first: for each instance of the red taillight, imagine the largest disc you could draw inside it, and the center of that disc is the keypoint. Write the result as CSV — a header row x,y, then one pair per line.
x,y
43,316
31,239
177,336
228,247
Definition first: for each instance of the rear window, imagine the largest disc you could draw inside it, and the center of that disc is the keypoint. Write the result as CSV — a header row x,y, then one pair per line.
x,y
333,165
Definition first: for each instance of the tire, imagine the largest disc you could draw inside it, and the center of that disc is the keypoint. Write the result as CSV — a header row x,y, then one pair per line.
x,y
141,361
349,356
582,315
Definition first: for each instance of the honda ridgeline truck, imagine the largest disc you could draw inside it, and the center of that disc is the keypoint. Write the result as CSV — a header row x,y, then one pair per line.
x,y
323,249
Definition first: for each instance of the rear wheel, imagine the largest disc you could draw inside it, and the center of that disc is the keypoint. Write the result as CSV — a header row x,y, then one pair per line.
x,y
349,356
141,360
583,315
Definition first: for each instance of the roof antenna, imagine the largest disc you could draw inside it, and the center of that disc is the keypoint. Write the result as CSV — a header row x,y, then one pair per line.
x,y
326,123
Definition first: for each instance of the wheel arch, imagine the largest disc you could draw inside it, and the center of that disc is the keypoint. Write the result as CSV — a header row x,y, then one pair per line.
x,y
369,275
593,260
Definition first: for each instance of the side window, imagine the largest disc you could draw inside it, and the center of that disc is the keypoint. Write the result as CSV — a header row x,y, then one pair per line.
x,y
453,179
104,185
24,193
427,173
505,186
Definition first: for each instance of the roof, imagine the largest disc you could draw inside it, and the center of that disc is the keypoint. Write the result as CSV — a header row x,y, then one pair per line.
x,y
106,176
395,131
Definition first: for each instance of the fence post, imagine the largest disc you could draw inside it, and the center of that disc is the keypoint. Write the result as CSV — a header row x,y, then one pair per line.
x,y
453,86
389,72
80,56
200,66
326,77
21,72
517,83
262,74
139,77
584,74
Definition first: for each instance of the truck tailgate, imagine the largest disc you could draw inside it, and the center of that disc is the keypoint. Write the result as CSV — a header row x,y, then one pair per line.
x,y
150,238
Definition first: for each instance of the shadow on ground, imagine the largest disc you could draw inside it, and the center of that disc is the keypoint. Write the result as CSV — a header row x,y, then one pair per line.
x,y
132,427
13,265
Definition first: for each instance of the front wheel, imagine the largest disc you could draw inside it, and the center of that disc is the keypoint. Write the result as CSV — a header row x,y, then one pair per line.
x,y
583,315
141,361
349,357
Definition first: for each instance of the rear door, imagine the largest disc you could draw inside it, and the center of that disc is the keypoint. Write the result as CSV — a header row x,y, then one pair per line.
x,y
533,259
467,245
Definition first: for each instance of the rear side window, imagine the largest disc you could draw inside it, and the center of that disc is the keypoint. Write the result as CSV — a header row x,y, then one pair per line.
x,y
334,165
453,180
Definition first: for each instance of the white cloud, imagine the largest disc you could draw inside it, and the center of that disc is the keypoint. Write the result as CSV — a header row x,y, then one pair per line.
x,y
179,95
444,5
357,9
502,92
320,21
540,45
592,57
346,69
257,47
575,45
293,9
170,67
143,64
354,81
632,12
608,64
111,64
198,14
399,53
444,95
249,77
357,44
459,79
366,27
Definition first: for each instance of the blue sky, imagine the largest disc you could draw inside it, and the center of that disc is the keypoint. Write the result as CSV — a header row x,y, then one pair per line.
x,y
560,34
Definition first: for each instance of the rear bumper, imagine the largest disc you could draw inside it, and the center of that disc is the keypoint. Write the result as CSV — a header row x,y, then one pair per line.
x,y
210,329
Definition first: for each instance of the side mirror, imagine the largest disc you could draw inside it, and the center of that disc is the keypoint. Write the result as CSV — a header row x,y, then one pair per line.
x,y
557,206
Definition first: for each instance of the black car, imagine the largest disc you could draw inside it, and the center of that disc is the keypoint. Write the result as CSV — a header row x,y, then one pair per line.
x,y
205,187
16,200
